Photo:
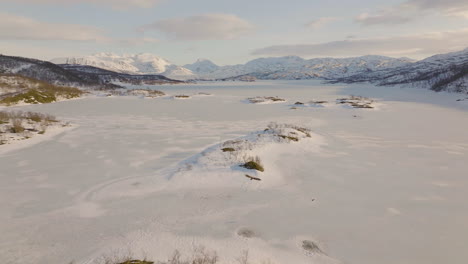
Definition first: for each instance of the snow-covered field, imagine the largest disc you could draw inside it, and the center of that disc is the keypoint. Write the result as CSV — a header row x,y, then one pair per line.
x,y
384,185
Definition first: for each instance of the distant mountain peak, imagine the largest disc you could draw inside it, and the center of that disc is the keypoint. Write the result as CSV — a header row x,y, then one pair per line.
x,y
202,66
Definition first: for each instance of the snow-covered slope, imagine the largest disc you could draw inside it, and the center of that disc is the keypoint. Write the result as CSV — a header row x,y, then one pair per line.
x,y
444,72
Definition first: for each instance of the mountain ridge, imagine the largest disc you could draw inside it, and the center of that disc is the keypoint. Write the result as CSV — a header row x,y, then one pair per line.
x,y
287,67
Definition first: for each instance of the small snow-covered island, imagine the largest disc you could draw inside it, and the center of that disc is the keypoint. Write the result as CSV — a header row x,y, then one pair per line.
x,y
316,133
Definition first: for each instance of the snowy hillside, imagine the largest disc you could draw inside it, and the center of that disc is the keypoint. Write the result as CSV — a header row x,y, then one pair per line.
x,y
444,72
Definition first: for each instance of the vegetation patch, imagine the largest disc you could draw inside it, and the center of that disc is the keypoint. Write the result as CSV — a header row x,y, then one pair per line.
x,y
311,247
246,232
289,138
265,99
23,125
32,91
146,92
359,102
254,164
252,178
318,102
134,261
17,126
303,130
228,149
182,96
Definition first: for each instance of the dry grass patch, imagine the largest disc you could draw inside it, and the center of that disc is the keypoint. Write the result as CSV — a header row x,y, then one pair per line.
x,y
228,149
265,99
182,96
33,91
17,125
254,164
357,102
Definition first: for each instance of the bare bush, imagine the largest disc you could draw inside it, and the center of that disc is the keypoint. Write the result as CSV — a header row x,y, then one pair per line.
x,y
17,126
200,256
4,117
36,117
254,163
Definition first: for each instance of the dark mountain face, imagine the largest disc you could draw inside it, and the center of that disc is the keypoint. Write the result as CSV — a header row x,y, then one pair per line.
x,y
106,77
40,70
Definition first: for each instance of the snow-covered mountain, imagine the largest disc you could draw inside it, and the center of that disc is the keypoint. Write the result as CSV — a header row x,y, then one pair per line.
x,y
292,67
289,67
440,72
444,72
130,64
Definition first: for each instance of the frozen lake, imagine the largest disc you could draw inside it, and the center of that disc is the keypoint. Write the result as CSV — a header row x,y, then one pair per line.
x,y
386,185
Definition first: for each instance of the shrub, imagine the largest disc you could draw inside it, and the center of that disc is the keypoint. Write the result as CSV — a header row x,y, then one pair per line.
x,y
254,164
311,247
36,117
50,118
200,256
303,130
289,138
17,126
4,117
228,149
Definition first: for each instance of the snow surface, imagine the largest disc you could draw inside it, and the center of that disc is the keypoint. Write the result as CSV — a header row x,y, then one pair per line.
x,y
369,186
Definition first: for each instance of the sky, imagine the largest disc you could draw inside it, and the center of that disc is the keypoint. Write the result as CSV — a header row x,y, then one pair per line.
x,y
233,31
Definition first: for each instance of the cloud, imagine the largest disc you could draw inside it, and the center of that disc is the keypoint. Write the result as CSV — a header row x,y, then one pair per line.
x,y
120,4
383,17
320,22
202,27
14,27
417,46
138,41
414,9
448,7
